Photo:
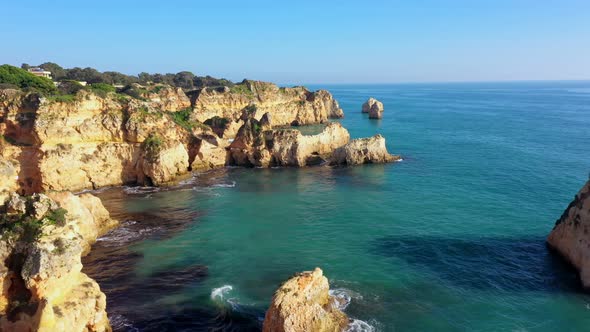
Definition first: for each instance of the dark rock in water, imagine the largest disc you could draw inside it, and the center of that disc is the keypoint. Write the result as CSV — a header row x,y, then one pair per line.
x,y
571,234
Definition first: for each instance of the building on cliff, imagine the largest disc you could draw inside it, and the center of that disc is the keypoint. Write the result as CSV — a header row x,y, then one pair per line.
x,y
40,72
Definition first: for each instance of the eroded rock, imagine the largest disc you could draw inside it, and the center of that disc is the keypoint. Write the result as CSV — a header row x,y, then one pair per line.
x,y
303,304
370,150
43,288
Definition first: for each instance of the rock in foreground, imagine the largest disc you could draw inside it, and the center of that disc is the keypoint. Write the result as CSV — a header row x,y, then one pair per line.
x,y
571,237
303,304
369,150
43,288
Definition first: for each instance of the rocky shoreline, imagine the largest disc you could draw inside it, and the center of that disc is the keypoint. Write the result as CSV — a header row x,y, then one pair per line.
x,y
159,135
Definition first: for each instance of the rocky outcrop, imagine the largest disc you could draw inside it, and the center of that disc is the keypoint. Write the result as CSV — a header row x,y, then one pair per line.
x,y
93,140
370,150
571,234
43,288
257,144
287,106
303,304
374,108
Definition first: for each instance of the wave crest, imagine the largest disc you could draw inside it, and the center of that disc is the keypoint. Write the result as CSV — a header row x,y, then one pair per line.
x,y
218,293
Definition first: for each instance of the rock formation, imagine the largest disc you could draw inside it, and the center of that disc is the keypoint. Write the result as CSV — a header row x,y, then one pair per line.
x,y
368,150
287,106
374,108
303,304
257,144
571,234
43,288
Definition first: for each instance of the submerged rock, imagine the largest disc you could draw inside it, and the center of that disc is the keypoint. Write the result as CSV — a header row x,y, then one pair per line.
x,y
571,234
302,304
43,288
370,150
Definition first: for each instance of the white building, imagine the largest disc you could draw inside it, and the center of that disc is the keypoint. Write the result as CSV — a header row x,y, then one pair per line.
x,y
40,72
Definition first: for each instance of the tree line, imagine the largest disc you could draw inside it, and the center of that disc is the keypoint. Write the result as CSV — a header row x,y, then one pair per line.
x,y
184,79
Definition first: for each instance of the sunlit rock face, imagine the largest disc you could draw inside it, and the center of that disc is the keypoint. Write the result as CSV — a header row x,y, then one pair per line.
x,y
43,288
303,303
369,150
286,106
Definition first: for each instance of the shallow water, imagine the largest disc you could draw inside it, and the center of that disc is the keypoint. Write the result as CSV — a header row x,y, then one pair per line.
x,y
450,239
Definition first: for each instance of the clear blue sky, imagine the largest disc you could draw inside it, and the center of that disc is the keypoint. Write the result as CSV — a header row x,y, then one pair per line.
x,y
307,41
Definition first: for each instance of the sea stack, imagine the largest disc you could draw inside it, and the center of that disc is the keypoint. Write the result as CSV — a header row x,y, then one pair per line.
x,y
302,304
368,150
374,107
571,237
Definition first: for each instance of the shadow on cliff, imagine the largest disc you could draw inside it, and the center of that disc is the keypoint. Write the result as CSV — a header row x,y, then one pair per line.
x,y
486,263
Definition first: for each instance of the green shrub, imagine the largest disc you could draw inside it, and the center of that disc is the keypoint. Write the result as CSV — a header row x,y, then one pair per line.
x,y
26,227
62,98
25,80
183,118
69,87
251,109
241,89
56,217
101,89
8,86
217,122
135,92
153,145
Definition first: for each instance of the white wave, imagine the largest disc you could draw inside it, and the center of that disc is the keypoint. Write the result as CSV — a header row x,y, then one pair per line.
x,y
358,325
343,296
125,234
120,322
225,185
218,293
140,190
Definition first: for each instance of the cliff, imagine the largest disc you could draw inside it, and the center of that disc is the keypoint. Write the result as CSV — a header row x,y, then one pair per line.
x,y
286,106
571,234
303,304
43,288
149,135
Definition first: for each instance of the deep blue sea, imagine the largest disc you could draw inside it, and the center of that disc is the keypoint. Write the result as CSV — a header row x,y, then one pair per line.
x,y
450,239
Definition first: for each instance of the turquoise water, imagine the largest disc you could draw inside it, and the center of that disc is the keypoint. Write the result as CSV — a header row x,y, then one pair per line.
x,y
450,239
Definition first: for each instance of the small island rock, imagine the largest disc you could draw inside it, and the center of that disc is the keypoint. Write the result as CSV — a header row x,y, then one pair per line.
x,y
374,108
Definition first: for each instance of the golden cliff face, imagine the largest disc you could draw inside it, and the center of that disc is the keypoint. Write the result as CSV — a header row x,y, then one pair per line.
x,y
43,288
112,139
571,234
287,106
90,142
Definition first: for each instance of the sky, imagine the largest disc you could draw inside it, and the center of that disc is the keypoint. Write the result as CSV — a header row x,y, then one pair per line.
x,y
364,41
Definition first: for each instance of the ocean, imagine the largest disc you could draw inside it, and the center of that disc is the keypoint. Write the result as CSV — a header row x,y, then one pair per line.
x,y
452,238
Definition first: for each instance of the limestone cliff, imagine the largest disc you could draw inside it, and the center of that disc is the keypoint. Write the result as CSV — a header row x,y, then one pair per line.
x,y
303,304
287,106
94,140
43,288
571,234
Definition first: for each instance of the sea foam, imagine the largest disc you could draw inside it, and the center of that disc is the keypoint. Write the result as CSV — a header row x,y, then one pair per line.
x,y
218,293
358,325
